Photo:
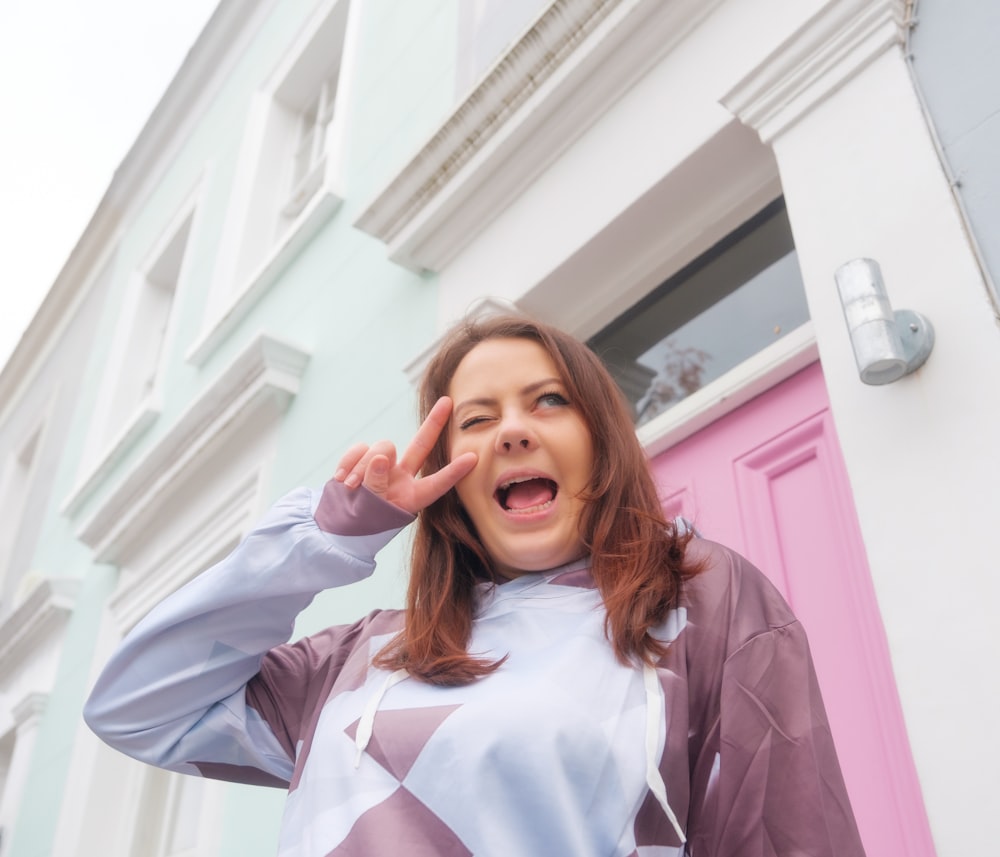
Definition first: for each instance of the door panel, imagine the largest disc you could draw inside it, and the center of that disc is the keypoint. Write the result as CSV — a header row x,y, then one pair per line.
x,y
768,480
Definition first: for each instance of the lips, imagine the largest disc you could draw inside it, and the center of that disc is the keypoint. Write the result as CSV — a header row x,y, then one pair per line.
x,y
527,493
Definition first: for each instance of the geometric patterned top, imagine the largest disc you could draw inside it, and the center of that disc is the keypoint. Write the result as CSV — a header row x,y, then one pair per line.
x,y
548,756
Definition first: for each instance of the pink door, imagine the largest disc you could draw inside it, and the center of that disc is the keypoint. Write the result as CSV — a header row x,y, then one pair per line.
x,y
768,480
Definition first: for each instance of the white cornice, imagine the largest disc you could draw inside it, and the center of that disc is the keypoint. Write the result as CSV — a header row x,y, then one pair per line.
x,y
141,421
317,213
225,523
42,613
571,66
265,375
832,47
29,710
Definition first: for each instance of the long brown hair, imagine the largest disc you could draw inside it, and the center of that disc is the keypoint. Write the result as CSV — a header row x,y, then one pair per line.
x,y
637,557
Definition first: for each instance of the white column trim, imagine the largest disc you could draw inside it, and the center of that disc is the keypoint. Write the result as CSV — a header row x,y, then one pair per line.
x,y
832,47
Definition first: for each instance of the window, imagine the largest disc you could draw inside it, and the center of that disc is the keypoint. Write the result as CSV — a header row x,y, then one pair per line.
x,y
287,178
736,299
287,156
309,158
129,400
152,300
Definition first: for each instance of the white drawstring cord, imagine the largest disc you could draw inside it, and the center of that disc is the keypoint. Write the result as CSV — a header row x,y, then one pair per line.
x,y
367,722
654,717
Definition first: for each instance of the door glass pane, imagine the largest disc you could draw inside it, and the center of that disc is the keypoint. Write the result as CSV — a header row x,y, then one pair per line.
x,y
736,299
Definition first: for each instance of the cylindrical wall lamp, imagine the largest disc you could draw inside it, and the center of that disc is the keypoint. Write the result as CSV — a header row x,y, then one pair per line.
x,y
887,344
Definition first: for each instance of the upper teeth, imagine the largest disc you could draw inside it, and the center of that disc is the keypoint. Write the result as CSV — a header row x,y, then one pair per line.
x,y
505,485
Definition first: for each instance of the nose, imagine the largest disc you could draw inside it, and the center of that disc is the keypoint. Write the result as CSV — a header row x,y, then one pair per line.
x,y
508,445
513,434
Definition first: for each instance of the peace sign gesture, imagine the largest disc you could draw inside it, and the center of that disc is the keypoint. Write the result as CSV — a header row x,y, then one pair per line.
x,y
377,469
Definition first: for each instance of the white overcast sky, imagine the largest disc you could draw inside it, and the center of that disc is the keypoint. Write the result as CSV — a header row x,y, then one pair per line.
x,y
77,82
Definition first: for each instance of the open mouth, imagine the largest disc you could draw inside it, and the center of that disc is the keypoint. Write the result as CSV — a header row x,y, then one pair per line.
x,y
527,494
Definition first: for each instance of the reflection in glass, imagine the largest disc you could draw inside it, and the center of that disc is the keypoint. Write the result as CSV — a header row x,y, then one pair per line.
x,y
736,299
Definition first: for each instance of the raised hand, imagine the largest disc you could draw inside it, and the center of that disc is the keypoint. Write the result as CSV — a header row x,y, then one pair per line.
x,y
396,481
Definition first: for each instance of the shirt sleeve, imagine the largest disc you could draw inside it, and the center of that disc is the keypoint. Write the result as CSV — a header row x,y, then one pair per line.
x,y
776,787
174,693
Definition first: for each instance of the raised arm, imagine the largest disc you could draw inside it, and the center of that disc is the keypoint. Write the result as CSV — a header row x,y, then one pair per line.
x,y
174,693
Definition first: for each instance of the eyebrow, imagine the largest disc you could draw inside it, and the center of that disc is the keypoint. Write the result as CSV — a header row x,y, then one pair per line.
x,y
524,391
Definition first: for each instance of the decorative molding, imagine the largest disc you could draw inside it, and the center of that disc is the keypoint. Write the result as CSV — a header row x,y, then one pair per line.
x,y
739,385
216,531
314,216
563,74
42,614
265,375
147,413
831,48
29,710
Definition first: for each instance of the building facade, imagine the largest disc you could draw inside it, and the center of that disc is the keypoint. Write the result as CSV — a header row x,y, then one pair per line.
x,y
328,184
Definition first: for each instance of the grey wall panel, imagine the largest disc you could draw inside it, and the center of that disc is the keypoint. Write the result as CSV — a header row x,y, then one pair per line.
x,y
955,51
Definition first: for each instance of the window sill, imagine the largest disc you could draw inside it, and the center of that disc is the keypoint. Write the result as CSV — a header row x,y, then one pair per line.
x,y
26,630
146,414
219,531
315,214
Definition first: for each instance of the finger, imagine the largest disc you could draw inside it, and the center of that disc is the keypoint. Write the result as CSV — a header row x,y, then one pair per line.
x,y
349,461
357,474
427,435
436,485
377,475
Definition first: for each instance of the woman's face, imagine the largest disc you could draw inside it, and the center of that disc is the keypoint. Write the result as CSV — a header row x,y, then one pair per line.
x,y
535,455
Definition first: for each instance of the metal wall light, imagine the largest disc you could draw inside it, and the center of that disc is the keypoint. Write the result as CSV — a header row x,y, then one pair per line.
x,y
887,344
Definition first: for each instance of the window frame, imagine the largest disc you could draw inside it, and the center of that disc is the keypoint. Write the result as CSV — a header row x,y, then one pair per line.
x,y
107,444
271,215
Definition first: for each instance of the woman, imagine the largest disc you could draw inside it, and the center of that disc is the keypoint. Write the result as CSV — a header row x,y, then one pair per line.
x,y
572,675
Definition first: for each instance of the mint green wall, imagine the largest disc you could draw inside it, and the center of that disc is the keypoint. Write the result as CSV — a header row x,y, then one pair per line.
x,y
35,829
362,317
405,82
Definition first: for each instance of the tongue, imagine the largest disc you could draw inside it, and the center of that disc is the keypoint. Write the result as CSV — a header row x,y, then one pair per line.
x,y
524,495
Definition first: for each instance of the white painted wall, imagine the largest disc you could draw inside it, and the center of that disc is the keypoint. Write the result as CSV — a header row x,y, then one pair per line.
x,y
861,178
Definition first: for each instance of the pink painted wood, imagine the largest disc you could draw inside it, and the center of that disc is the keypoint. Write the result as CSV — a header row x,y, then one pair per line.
x,y
769,480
